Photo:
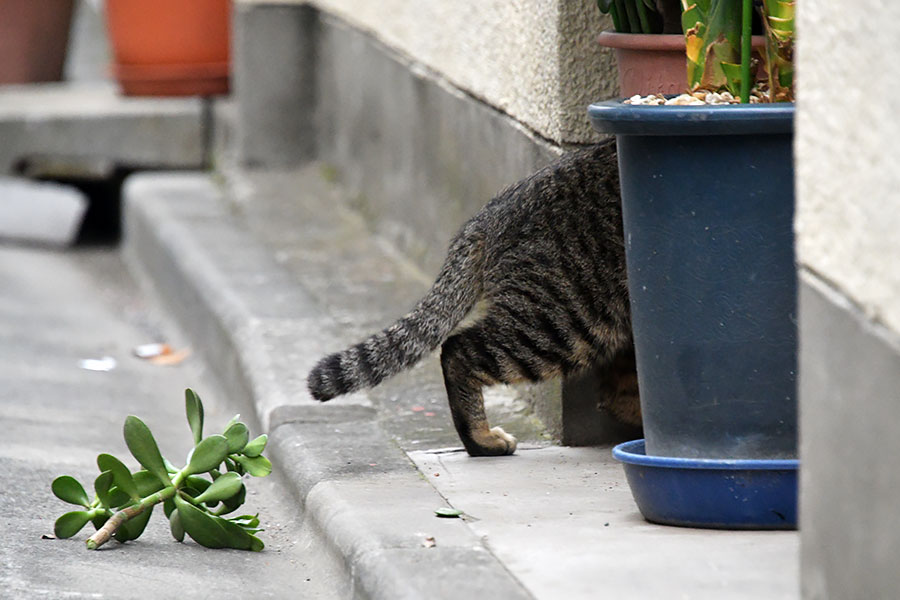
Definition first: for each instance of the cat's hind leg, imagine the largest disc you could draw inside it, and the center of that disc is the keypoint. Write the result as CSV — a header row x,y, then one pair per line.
x,y
503,347
467,369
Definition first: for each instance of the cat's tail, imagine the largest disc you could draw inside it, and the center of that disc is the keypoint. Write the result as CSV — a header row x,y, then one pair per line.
x,y
403,344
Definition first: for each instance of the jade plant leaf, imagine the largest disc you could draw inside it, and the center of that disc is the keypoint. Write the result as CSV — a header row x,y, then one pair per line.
x,y
222,488
143,447
71,523
202,528
237,435
207,455
234,502
121,475
197,483
238,537
258,466
246,521
169,507
175,526
256,446
147,483
102,485
68,489
194,409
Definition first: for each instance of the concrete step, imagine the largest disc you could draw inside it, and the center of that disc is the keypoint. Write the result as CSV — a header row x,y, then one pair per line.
x,y
81,127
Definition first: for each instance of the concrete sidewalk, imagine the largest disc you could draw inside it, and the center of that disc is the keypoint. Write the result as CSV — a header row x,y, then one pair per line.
x,y
57,309
268,272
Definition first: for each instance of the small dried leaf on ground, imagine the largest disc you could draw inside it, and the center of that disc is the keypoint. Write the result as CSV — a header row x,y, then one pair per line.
x,y
429,542
173,358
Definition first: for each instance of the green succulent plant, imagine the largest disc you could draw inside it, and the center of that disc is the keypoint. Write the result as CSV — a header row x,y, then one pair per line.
x,y
195,498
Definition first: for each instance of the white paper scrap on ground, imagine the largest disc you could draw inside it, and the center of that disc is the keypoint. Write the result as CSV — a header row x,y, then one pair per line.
x,y
40,213
107,363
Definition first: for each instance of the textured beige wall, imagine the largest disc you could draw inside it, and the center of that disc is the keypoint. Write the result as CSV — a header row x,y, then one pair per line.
x,y
536,60
847,155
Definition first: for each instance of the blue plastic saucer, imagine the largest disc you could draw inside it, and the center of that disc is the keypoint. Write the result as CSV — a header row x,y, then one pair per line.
x,y
718,494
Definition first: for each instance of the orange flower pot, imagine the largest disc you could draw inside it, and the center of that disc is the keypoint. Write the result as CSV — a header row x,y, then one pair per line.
x,y
170,47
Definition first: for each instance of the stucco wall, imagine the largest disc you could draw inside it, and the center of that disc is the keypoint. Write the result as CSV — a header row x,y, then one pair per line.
x,y
536,60
848,164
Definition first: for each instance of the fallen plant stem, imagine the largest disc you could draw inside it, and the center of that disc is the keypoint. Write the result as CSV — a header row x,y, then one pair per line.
x,y
102,535
195,498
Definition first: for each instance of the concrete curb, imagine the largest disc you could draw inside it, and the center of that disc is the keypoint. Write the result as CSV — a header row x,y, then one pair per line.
x,y
260,332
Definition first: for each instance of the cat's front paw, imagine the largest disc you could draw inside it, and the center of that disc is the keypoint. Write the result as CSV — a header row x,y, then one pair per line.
x,y
494,442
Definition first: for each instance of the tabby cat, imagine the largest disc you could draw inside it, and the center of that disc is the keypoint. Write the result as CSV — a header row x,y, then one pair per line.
x,y
546,257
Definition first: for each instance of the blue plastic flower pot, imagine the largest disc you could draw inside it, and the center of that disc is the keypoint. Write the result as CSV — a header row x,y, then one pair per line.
x,y
718,494
708,206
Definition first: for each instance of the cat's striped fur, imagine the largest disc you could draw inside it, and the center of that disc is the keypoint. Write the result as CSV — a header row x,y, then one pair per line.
x,y
547,257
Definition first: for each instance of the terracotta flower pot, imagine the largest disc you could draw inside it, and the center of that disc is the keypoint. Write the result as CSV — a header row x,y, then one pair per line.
x,y
33,39
652,63
170,47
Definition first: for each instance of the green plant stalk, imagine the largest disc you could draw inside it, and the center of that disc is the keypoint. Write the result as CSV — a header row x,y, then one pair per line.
x,y
746,49
102,535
